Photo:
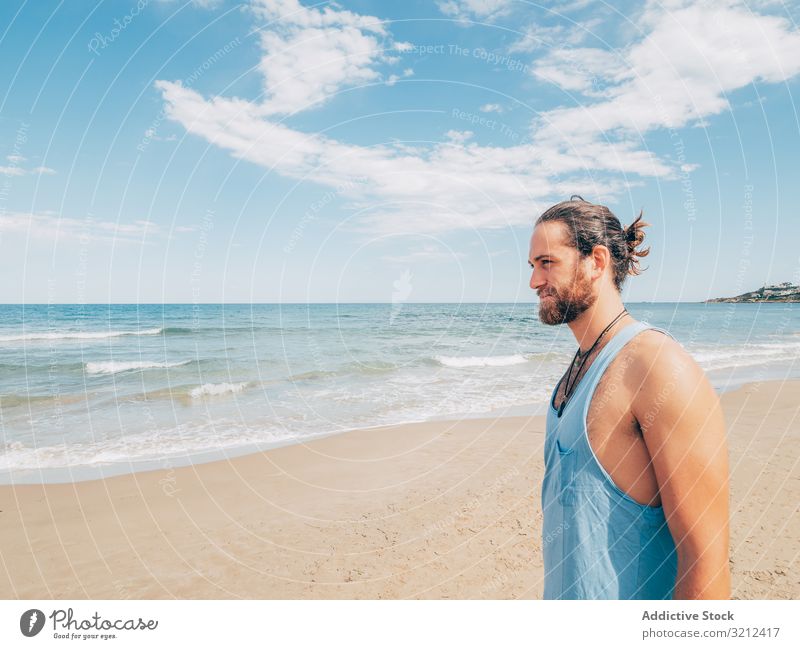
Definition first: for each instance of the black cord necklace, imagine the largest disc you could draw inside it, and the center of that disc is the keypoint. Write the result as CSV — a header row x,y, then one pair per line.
x,y
567,386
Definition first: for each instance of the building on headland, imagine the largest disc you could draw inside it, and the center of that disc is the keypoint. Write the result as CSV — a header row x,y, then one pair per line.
x,y
783,292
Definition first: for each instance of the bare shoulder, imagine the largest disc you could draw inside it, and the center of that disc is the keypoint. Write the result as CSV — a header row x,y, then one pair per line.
x,y
668,377
657,357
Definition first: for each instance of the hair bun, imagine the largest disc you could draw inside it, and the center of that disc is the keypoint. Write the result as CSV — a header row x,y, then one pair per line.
x,y
634,237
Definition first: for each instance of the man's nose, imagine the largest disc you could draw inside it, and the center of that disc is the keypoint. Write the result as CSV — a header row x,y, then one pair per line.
x,y
536,280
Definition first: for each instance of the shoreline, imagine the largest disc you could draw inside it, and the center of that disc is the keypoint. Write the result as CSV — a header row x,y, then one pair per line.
x,y
436,509
87,473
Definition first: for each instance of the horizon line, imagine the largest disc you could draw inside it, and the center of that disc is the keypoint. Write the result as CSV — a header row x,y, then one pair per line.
x,y
326,303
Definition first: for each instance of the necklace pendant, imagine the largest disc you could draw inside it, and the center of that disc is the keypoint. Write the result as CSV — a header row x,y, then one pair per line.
x,y
561,408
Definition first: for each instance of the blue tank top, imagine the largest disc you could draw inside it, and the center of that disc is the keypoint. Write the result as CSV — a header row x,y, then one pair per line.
x,y
598,543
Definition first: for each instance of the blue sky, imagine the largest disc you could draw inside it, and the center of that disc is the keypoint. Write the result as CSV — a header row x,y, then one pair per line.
x,y
283,151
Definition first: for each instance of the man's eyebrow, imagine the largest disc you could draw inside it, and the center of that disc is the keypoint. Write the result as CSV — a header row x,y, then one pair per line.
x,y
540,257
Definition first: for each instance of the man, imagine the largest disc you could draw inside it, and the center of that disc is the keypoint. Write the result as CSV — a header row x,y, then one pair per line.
x,y
635,493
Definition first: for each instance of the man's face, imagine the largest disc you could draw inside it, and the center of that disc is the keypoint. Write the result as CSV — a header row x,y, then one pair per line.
x,y
564,288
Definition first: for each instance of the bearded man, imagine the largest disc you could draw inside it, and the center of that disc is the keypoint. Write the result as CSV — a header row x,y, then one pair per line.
x,y
635,492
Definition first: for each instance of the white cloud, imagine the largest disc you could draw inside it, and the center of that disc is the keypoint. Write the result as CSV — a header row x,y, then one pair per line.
x,y
426,253
203,4
15,158
538,36
482,9
441,188
589,71
310,54
292,13
459,137
14,170
394,78
678,73
571,5
491,108
49,225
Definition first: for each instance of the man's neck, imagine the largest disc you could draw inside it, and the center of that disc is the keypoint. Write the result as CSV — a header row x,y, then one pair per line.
x,y
590,324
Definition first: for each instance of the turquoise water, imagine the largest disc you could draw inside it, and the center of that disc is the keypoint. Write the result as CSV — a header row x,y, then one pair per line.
x,y
92,390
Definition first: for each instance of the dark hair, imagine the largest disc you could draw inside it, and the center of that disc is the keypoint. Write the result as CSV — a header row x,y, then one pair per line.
x,y
589,225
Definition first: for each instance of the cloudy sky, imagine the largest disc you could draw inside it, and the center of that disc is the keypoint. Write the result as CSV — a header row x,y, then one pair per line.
x,y
277,150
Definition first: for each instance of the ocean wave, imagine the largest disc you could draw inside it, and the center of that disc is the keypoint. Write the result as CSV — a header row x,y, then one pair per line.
x,y
179,442
354,367
33,400
77,335
113,367
369,367
176,331
481,361
715,358
216,389
313,375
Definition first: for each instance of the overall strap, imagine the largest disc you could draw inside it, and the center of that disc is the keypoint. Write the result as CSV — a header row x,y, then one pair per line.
x,y
609,352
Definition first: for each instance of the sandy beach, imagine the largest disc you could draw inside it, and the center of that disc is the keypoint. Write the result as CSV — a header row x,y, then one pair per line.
x,y
442,510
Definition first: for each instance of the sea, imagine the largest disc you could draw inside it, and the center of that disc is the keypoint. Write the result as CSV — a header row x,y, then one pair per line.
x,y
91,391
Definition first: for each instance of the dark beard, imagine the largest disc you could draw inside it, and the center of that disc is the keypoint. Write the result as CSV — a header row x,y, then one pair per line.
x,y
564,308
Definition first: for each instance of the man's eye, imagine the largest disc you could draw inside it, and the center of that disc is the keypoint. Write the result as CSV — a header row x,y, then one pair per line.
x,y
546,261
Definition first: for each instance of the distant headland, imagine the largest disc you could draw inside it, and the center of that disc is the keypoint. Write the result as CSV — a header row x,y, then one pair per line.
x,y
784,292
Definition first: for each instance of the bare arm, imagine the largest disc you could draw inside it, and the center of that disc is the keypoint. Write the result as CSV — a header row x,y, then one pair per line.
x,y
684,430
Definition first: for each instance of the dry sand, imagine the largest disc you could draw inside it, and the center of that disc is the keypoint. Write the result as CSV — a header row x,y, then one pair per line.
x,y
431,510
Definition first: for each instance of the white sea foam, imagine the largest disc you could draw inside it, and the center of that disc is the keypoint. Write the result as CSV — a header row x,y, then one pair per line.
x,y
77,335
714,358
112,367
180,441
216,389
481,361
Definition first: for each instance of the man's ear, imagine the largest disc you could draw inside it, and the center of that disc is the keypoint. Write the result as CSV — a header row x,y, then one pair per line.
x,y
600,260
